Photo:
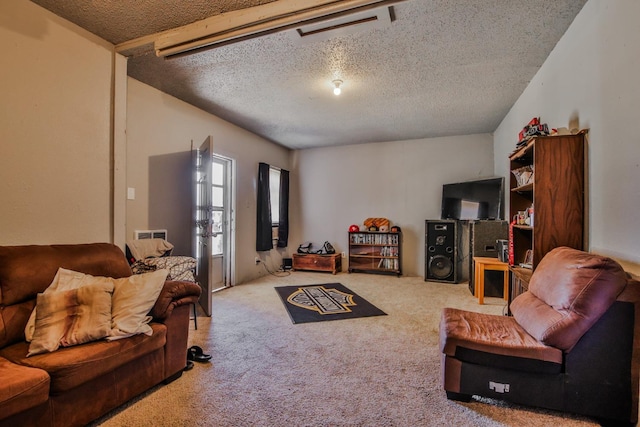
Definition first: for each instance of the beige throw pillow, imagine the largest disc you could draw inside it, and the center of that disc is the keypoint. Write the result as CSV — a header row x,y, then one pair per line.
x,y
133,298
64,280
31,323
67,318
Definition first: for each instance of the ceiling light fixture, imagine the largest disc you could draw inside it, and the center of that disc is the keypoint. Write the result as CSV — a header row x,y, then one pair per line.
x,y
336,90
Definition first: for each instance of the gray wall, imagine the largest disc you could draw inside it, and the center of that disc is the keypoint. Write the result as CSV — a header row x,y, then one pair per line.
x,y
590,81
160,133
55,130
401,181
60,184
331,188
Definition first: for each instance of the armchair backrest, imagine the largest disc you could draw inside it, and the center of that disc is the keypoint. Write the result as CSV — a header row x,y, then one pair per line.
x,y
568,292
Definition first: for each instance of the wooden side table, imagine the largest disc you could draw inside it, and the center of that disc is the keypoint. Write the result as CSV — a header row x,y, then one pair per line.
x,y
483,264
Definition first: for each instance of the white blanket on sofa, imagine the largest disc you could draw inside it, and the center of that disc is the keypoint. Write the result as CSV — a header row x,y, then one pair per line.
x,y
180,267
145,248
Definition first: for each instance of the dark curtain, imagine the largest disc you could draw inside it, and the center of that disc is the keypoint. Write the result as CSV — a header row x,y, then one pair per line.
x,y
283,228
263,235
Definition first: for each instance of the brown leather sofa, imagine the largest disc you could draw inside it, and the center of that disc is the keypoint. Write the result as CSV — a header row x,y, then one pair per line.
x,y
573,343
74,385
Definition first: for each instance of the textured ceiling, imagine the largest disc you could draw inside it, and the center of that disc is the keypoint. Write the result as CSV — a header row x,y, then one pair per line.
x,y
441,68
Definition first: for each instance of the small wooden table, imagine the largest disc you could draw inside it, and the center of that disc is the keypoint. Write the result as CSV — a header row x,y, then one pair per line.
x,y
483,264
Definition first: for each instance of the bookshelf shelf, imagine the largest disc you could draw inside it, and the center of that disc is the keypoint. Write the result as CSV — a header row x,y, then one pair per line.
x,y
375,252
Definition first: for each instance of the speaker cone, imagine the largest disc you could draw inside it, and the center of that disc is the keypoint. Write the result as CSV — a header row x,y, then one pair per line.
x,y
440,267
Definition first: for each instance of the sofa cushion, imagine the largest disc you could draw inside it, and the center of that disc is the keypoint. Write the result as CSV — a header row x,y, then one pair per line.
x,y
72,366
12,321
26,271
568,292
21,388
72,317
491,334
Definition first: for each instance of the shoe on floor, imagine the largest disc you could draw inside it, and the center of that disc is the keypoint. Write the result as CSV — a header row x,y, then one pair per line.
x,y
196,354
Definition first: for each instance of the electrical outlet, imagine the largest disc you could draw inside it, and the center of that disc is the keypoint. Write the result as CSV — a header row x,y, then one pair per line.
x,y
257,260
344,254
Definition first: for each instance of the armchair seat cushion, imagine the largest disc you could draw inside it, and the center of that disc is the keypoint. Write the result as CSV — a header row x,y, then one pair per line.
x,y
495,341
21,387
72,366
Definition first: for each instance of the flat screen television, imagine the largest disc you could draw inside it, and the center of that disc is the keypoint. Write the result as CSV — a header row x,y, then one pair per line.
x,y
472,200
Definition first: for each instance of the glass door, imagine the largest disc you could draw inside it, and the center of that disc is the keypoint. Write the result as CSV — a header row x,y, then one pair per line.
x,y
221,248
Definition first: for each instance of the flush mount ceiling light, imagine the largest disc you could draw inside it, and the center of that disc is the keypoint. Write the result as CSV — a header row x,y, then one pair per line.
x,y
336,90
253,22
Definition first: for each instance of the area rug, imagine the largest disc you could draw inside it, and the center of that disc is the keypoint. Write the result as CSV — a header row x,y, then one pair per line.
x,y
329,301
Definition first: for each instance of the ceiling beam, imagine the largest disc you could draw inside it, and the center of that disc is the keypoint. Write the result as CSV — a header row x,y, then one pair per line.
x,y
125,48
254,22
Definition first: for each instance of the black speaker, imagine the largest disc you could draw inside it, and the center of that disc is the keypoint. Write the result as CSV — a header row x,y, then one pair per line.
x,y
483,236
442,251
287,263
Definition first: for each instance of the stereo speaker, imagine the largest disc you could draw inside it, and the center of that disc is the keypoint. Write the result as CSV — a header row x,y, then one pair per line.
x,y
442,248
483,243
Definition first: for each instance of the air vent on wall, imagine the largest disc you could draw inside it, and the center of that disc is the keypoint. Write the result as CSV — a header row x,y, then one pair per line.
x,y
150,234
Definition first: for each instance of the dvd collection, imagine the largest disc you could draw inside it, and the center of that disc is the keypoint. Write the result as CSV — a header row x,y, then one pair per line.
x,y
389,253
375,239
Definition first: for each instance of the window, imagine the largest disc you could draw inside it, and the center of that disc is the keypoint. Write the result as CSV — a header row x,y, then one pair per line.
x,y
274,196
218,206
272,208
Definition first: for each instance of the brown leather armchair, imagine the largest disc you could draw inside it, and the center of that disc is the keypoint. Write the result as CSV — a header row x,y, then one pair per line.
x,y
573,343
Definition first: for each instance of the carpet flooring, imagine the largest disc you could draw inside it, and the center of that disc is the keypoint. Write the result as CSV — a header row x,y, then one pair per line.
x,y
328,301
373,371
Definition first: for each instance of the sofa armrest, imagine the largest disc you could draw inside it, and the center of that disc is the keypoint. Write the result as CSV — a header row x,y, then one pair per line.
x,y
174,294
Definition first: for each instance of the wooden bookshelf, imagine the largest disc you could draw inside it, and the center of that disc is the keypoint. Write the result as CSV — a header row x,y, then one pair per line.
x,y
375,252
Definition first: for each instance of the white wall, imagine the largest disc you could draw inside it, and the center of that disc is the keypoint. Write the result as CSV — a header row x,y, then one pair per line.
x,y
401,181
55,129
160,131
592,77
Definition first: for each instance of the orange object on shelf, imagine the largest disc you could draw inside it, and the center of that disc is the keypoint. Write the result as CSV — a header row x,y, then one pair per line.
x,y
378,222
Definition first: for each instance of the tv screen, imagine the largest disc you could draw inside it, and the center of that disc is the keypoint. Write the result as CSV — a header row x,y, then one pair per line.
x,y
480,199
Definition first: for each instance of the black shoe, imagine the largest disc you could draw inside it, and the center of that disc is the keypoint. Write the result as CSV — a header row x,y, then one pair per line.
x,y
196,354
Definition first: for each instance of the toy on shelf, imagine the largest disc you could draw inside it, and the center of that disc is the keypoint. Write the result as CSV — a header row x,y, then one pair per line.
x,y
533,128
376,224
